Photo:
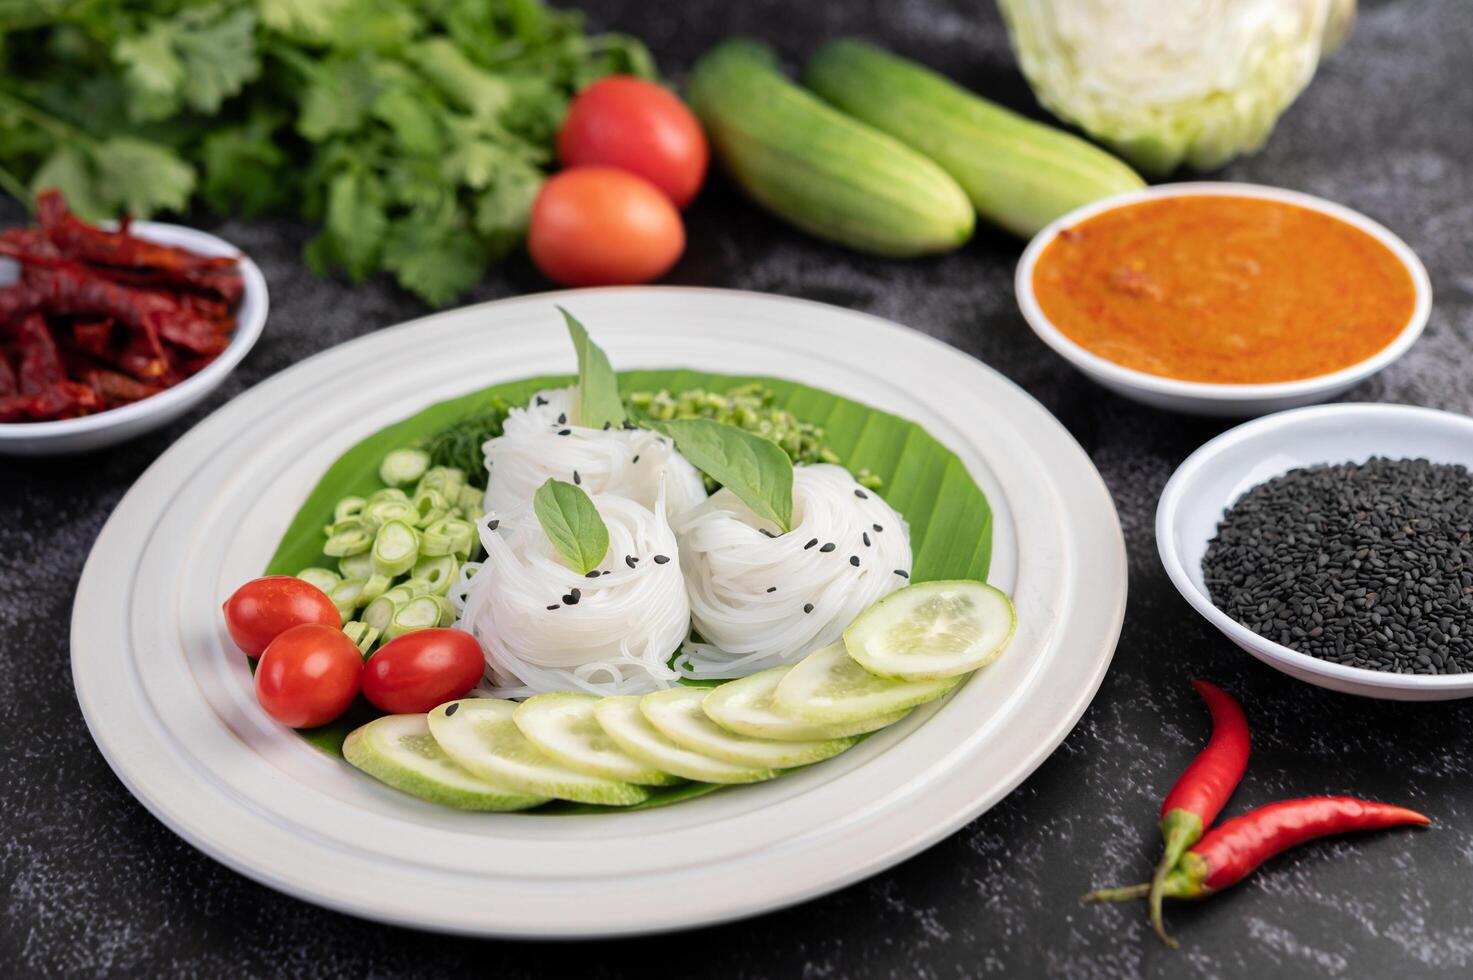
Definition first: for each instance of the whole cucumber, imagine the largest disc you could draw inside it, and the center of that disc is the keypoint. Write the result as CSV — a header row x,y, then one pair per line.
x,y
816,167
1020,174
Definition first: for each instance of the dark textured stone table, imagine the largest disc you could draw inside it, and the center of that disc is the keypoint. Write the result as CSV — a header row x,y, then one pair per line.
x,y
91,884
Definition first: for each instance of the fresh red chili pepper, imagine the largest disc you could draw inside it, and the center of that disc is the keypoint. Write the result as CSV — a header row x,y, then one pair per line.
x,y
1230,852
1199,795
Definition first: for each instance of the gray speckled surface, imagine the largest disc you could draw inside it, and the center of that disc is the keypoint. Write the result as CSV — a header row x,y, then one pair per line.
x,y
93,885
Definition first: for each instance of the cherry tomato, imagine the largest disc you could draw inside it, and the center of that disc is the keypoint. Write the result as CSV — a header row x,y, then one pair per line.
x,y
417,671
264,608
626,122
597,226
308,675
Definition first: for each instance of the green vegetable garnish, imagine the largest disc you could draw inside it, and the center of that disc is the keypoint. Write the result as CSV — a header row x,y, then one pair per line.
x,y
414,135
599,405
572,524
753,468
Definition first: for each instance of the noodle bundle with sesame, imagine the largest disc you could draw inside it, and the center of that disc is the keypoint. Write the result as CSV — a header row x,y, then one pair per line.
x,y
760,599
544,441
546,627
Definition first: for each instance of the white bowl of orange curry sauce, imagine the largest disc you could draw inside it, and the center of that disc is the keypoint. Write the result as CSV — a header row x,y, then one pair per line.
x,y
1223,299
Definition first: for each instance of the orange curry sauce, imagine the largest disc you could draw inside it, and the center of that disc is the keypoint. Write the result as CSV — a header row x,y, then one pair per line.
x,y
1231,290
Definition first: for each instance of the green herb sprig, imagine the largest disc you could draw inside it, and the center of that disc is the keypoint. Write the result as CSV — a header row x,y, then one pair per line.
x,y
755,469
572,524
414,133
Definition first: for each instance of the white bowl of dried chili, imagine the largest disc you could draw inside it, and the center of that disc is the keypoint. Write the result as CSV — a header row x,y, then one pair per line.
x,y
114,425
1223,299
1211,480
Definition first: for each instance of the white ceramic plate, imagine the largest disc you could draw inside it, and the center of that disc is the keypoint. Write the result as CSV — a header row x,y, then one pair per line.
x,y
1215,476
116,425
1230,400
169,700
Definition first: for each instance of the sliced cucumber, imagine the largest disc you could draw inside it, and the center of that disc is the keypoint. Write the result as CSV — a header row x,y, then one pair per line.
x,y
563,726
481,735
932,630
400,751
621,718
828,687
677,714
745,707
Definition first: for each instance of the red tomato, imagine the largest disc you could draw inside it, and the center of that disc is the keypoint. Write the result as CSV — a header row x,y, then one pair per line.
x,y
264,608
308,675
597,226
417,671
626,122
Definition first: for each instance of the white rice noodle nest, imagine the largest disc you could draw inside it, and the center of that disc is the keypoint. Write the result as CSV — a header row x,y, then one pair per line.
x,y
631,463
748,592
617,638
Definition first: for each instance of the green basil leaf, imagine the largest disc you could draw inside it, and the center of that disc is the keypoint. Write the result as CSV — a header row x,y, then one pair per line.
x,y
755,469
572,524
599,403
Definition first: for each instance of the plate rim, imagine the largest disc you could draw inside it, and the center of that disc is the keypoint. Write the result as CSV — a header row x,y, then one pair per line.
x,y
1113,608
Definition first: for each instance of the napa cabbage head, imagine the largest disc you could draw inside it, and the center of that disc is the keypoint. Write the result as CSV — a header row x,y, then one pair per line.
x,y
1173,82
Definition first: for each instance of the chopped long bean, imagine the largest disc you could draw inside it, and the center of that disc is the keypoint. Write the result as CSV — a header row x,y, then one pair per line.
x,y
324,578
395,548
403,467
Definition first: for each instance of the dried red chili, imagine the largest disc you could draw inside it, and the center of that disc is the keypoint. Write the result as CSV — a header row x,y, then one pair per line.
x,y
1204,787
101,318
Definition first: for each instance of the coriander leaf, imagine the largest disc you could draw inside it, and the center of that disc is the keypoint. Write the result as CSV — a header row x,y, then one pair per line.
x,y
309,19
572,524
412,117
599,403
152,71
337,97
755,469
243,168
70,171
433,256
504,209
138,177
468,87
219,59
356,223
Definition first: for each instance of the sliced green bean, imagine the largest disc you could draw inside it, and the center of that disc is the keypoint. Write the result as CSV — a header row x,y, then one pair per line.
x,y
348,538
420,613
403,466
348,507
431,505
380,612
380,512
439,571
362,635
387,493
356,566
470,501
376,586
345,596
449,536
395,548
323,578
416,585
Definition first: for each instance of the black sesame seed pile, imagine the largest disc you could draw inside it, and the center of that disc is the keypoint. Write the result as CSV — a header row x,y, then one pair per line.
x,y
1363,564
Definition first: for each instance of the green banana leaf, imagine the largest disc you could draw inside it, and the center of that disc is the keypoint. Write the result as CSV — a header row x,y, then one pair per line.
x,y
950,521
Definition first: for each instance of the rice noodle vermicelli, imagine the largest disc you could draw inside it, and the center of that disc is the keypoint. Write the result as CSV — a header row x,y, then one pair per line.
x,y
545,627
544,441
760,601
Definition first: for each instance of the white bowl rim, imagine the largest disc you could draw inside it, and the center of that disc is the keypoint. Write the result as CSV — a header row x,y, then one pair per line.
x,y
241,341
1211,391
1180,486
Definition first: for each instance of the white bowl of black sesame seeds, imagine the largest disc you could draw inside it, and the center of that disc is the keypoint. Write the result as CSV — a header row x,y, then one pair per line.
x,y
1334,543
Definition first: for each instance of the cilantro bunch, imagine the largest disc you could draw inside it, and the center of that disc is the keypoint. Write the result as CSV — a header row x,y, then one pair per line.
x,y
415,133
